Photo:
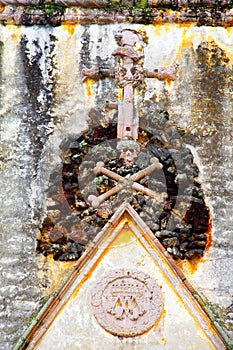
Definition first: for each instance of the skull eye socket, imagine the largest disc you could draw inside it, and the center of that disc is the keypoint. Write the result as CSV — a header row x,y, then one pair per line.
x,y
134,70
128,149
123,70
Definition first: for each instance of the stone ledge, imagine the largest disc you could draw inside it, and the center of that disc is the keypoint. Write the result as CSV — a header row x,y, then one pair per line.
x,y
65,3
20,15
160,4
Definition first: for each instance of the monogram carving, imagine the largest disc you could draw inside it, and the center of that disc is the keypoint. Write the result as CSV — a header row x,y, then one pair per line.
x,y
127,296
126,303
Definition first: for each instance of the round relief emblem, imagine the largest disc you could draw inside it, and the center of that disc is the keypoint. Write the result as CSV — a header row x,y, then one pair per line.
x,y
126,303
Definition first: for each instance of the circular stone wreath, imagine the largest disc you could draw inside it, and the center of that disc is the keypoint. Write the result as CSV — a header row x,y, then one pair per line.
x,y
181,222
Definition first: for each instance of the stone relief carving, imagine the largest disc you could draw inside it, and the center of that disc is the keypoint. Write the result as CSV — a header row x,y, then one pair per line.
x,y
125,76
126,302
129,73
128,157
150,167
129,150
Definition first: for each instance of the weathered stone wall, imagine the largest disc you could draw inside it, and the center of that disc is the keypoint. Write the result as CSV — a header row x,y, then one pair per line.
x,y
44,103
55,12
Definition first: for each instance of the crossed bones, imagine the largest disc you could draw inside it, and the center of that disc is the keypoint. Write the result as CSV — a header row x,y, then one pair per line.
x,y
126,182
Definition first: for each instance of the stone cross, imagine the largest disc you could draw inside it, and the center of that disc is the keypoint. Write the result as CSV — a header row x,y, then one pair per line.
x,y
128,75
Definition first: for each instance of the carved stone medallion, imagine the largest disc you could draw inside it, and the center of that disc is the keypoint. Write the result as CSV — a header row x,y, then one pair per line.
x,y
126,302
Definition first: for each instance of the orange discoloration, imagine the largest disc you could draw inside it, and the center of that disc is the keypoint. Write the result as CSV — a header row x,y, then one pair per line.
x,y
168,82
209,38
185,41
163,340
14,36
14,33
125,228
167,28
88,84
58,270
162,315
125,237
229,30
184,25
86,278
158,29
141,262
120,94
88,275
229,23
209,235
190,266
157,20
70,28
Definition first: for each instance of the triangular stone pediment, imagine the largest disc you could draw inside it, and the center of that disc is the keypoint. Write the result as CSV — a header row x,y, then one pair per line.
x,y
124,293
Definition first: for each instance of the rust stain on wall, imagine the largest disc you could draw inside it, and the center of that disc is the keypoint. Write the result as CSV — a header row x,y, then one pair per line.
x,y
88,84
56,271
15,36
70,28
209,235
186,41
162,316
14,33
191,266
120,94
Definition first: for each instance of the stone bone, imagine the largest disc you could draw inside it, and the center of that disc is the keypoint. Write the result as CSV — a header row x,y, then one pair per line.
x,y
96,201
100,169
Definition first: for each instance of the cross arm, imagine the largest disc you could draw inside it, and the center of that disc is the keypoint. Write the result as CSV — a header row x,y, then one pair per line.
x,y
96,73
162,73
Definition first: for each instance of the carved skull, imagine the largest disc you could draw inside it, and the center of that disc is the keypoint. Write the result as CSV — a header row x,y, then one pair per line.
x,y
131,76
129,150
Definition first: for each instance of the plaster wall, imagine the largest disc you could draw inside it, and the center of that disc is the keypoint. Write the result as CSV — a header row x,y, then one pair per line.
x,y
44,103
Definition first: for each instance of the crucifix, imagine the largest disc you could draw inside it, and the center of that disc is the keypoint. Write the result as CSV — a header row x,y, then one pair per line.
x,y
129,74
